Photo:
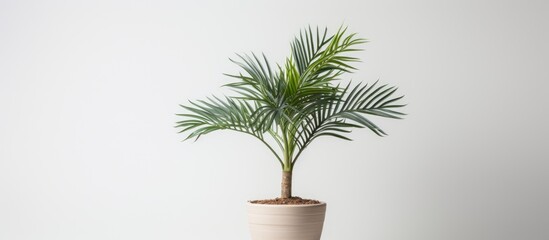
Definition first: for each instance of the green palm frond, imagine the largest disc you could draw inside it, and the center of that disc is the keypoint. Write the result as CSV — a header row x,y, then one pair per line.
x,y
321,60
216,114
347,110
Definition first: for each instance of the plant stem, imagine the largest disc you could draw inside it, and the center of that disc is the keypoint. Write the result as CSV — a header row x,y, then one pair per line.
x,y
286,184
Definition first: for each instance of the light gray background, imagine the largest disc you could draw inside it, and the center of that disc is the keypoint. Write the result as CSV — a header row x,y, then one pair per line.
x,y
88,93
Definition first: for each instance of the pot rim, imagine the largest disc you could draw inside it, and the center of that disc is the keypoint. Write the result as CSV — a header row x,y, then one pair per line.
x,y
285,205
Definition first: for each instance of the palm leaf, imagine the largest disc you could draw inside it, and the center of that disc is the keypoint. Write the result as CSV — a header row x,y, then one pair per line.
x,y
347,109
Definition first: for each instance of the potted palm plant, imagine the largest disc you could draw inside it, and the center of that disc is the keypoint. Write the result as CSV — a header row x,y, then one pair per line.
x,y
288,106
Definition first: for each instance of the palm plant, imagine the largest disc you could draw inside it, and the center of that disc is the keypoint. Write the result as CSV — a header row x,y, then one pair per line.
x,y
287,107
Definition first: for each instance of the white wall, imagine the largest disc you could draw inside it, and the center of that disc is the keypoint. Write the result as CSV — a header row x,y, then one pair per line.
x,y
88,93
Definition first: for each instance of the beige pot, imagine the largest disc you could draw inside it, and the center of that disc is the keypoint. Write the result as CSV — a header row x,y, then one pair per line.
x,y
286,222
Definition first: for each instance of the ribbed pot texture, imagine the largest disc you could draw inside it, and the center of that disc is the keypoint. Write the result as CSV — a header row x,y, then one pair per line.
x,y
286,222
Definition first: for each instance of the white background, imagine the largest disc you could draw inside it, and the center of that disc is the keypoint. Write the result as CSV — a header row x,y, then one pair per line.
x,y
89,92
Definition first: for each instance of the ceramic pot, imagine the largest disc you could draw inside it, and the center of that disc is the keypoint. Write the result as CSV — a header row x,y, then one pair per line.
x,y
286,222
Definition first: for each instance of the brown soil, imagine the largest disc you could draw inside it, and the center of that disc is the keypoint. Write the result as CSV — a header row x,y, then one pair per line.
x,y
286,201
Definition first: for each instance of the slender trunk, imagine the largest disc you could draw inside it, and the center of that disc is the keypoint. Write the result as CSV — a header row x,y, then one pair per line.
x,y
286,184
